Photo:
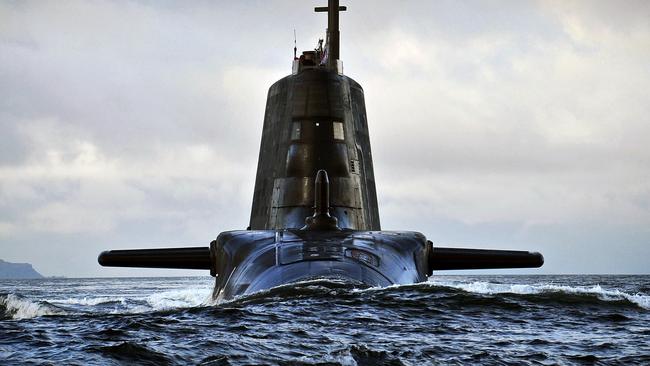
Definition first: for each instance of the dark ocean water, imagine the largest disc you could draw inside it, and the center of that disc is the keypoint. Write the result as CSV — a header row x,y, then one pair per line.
x,y
459,320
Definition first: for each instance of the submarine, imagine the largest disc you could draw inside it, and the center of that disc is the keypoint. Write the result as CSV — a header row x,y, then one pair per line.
x,y
314,213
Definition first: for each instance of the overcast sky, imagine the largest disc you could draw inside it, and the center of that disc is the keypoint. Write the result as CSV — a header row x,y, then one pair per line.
x,y
496,124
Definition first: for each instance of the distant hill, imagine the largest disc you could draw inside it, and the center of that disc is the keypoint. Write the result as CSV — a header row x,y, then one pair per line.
x,y
17,270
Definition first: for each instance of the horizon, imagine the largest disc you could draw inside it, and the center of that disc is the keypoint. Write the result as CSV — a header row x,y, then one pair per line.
x,y
182,273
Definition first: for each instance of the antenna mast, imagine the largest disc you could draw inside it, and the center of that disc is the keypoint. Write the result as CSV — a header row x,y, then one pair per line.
x,y
333,34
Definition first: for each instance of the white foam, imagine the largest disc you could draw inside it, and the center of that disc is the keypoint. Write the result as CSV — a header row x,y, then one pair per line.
x,y
18,307
21,308
184,298
93,301
481,287
171,299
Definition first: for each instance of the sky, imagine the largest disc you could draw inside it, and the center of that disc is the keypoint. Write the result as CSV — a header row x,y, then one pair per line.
x,y
493,124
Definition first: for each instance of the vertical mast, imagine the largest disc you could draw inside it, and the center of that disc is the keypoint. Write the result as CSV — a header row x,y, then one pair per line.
x,y
333,32
333,35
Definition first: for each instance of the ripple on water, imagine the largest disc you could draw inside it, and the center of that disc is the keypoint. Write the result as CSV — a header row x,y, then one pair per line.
x,y
511,320
133,353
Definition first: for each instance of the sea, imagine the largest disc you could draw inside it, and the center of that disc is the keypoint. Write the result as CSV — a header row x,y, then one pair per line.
x,y
449,320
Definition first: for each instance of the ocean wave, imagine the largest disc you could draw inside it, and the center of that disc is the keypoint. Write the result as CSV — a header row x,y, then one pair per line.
x,y
183,298
92,301
131,352
352,293
13,306
489,288
300,289
166,300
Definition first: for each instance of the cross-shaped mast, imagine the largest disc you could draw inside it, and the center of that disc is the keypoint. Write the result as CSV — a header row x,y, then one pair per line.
x,y
333,34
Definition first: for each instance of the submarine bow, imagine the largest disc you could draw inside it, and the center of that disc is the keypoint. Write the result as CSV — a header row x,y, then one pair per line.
x,y
315,212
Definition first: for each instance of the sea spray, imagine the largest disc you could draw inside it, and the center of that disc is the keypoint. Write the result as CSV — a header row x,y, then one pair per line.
x,y
14,306
481,287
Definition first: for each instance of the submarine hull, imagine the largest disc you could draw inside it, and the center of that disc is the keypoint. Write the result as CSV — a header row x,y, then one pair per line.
x,y
253,260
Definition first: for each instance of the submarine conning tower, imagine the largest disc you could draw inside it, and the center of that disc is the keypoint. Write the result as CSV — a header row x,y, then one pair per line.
x,y
315,119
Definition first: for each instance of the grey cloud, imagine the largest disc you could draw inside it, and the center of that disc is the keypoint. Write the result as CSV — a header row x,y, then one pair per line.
x,y
506,124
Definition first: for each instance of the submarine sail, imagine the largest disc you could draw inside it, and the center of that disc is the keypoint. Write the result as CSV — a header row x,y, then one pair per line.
x,y
314,212
315,119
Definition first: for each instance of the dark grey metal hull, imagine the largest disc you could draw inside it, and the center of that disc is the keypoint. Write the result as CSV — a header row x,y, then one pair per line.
x,y
298,139
250,261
